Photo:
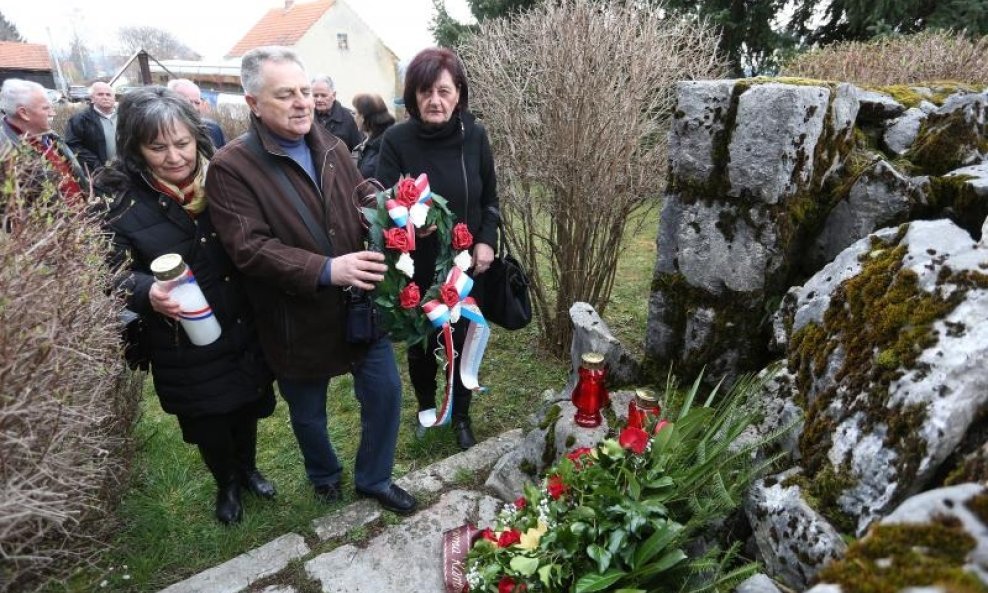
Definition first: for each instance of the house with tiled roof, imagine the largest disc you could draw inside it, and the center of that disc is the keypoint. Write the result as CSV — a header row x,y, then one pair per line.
x,y
29,61
332,39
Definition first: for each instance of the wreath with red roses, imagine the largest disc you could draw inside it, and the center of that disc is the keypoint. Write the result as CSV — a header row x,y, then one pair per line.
x,y
392,222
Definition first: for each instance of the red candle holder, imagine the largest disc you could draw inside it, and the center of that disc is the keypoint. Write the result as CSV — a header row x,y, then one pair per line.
x,y
643,409
590,394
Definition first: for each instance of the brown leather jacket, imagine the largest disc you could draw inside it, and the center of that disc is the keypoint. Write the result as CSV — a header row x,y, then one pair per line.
x,y
300,324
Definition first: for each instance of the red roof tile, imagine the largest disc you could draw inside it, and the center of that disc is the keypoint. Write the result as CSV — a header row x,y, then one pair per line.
x,y
281,26
24,56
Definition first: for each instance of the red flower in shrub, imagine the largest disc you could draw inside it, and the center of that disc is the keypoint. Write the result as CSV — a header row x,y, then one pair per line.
x,y
406,194
508,537
462,239
488,534
521,503
555,487
508,585
449,295
397,239
410,296
577,456
634,438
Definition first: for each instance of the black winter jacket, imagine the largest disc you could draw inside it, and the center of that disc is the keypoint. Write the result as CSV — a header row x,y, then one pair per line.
x,y
84,135
189,380
458,160
367,156
341,124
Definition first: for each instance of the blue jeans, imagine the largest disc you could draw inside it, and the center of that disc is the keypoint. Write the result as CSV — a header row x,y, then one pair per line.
x,y
378,389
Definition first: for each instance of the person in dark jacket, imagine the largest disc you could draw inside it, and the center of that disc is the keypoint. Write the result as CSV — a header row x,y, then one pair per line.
x,y
333,116
220,390
92,133
193,94
373,119
261,185
444,140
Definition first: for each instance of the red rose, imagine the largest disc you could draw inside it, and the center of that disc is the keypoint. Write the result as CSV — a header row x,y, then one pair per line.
x,y
521,503
462,239
508,585
488,534
410,297
449,295
508,537
406,194
634,438
556,487
397,239
577,455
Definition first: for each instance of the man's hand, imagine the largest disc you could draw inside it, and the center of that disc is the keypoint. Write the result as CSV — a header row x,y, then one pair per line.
x,y
162,302
483,255
361,269
422,232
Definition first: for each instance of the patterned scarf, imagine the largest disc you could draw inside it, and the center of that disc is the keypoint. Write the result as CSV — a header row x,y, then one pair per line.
x,y
47,145
192,195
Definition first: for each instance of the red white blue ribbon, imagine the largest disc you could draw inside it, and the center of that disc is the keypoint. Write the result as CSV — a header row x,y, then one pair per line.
x,y
478,332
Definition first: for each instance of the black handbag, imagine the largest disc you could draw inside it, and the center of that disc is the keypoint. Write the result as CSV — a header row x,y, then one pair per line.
x,y
507,302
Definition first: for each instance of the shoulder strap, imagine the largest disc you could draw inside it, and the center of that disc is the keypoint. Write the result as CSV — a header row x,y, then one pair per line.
x,y
318,232
502,243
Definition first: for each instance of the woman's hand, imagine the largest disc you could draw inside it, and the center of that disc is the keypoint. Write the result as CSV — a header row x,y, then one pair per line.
x,y
162,302
483,255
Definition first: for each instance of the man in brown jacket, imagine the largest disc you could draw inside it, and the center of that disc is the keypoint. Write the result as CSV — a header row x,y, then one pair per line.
x,y
257,187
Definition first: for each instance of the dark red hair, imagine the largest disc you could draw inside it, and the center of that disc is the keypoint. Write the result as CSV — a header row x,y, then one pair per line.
x,y
425,69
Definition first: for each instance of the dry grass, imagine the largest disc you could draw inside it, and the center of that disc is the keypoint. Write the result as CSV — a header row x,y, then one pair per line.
x,y
234,119
925,57
66,404
578,96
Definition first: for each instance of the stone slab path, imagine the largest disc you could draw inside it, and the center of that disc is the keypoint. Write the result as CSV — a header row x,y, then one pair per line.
x,y
402,554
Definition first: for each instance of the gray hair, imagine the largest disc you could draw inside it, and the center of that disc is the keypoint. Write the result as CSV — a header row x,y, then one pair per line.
x,y
250,65
16,93
175,83
323,78
92,87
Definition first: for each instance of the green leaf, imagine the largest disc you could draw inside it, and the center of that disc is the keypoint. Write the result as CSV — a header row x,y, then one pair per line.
x,y
524,565
598,582
600,555
545,574
655,543
664,563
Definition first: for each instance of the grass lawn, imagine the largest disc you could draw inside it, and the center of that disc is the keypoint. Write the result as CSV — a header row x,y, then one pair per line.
x,y
167,531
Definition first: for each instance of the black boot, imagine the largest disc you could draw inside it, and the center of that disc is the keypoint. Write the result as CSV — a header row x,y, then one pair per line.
x,y
245,437
221,465
464,434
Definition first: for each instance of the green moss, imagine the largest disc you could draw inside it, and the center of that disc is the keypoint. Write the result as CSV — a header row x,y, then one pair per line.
x,y
551,415
548,424
974,469
955,196
893,557
570,441
979,506
882,320
906,96
945,141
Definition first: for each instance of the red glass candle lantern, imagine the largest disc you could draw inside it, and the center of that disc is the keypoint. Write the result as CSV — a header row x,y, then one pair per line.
x,y
590,394
643,409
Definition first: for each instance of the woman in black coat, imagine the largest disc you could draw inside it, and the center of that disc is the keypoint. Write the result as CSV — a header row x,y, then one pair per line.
x,y
373,119
444,140
220,390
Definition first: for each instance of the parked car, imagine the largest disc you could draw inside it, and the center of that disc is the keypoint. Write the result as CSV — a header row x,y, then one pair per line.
x,y
78,92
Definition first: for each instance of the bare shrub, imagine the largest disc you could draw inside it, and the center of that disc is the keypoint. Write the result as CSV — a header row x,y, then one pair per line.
x,y
233,119
924,57
64,111
578,96
66,405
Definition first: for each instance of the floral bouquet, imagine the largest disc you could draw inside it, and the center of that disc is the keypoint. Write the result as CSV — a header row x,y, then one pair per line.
x,y
393,221
619,516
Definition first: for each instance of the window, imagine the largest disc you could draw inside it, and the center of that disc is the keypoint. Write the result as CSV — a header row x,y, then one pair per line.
x,y
341,41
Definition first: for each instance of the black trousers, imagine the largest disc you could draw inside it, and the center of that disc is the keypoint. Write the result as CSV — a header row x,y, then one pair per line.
x,y
423,368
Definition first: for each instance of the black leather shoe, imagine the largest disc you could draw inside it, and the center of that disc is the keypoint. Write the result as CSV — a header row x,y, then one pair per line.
x,y
464,434
328,493
258,485
228,507
393,499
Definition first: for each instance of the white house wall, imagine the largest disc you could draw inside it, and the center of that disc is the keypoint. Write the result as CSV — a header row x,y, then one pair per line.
x,y
366,67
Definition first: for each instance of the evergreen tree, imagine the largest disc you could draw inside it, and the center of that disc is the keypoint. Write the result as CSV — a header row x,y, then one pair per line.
x,y
8,32
449,32
858,20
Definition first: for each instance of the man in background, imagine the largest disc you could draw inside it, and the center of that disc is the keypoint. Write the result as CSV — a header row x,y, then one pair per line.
x,y
333,116
191,91
92,133
26,125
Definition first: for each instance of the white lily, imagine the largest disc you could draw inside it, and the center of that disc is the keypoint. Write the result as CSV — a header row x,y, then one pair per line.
x,y
417,214
406,265
463,260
